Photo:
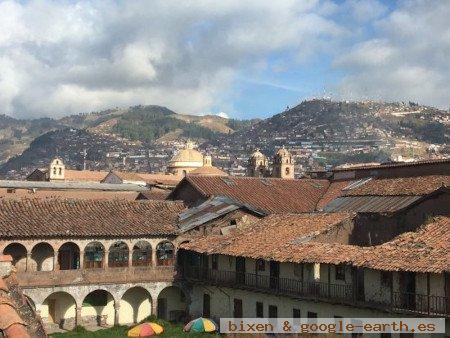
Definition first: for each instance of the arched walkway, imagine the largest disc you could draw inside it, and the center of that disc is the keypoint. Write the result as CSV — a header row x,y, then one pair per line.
x,y
94,255
135,305
98,308
59,308
142,254
118,255
19,255
42,257
69,256
172,304
165,253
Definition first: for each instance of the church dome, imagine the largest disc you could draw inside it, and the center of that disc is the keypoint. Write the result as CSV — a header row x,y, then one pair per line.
x,y
257,154
188,155
186,159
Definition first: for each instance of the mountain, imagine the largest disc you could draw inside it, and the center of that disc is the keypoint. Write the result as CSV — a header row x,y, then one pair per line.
x,y
144,137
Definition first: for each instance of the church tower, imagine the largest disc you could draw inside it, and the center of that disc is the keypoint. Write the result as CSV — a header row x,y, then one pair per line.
x,y
283,164
258,165
56,170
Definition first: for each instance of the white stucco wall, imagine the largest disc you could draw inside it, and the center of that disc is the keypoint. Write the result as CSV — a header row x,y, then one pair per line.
x,y
135,306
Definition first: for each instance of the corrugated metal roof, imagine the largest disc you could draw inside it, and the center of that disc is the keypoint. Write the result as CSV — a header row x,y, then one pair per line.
x,y
211,209
370,203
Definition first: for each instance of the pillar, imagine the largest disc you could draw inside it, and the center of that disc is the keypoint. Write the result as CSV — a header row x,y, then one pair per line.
x,y
130,258
116,312
105,259
154,257
81,259
78,316
55,260
28,262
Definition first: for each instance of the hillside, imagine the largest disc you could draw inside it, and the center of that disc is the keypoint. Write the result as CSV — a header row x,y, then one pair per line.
x,y
142,138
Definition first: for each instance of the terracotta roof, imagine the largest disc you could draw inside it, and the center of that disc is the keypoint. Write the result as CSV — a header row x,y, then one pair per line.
x,y
161,178
425,250
68,194
268,237
419,185
273,195
208,171
394,165
87,218
153,194
84,175
17,318
128,175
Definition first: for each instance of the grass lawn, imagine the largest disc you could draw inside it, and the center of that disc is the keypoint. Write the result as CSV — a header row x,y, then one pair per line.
x,y
170,330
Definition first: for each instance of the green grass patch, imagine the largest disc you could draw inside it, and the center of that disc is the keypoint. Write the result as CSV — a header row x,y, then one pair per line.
x,y
170,330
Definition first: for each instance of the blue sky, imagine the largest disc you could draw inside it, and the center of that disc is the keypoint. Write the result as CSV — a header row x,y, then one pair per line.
x,y
240,58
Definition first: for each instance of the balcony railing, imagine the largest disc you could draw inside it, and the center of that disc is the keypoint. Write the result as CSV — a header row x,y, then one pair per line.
x,y
134,274
334,293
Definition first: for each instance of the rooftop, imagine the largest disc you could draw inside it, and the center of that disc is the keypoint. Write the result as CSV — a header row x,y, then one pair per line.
x,y
33,218
272,195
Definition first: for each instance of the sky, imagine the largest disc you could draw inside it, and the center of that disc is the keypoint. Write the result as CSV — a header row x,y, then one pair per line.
x,y
236,58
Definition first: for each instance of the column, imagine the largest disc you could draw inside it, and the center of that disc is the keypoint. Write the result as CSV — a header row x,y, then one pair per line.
x,y
154,257
105,259
78,316
81,260
130,258
116,312
55,260
28,262
154,306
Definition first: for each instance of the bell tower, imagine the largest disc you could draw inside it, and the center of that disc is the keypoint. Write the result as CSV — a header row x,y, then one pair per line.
x,y
56,170
258,165
283,164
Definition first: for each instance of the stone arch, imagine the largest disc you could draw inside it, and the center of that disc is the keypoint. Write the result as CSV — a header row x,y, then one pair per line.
x,y
94,255
142,254
42,257
135,305
172,304
69,256
118,254
59,308
98,308
165,253
19,254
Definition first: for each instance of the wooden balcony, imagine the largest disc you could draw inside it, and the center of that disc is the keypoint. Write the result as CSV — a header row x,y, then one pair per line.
x,y
344,294
117,275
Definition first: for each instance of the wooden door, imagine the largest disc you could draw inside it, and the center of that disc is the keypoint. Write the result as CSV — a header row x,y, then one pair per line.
x,y
408,290
447,291
358,284
274,274
237,309
240,270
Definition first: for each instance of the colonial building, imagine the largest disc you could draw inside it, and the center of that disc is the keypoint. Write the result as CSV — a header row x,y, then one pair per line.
x,y
98,262
282,166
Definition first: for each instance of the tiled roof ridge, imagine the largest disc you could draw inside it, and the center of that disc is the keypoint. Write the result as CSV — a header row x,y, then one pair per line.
x,y
396,164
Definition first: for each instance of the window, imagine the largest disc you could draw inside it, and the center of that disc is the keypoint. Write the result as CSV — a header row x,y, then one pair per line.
x,y
273,311
340,272
386,279
237,313
296,313
214,262
287,171
259,310
206,305
60,171
312,314
233,222
260,265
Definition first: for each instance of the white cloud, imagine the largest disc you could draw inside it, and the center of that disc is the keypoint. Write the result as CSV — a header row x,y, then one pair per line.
x,y
407,59
66,57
